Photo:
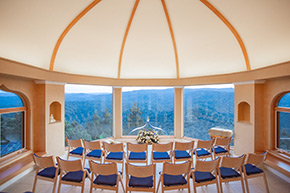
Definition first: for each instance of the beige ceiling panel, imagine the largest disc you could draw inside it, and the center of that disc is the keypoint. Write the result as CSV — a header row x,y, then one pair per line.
x,y
149,51
92,46
29,29
264,26
205,45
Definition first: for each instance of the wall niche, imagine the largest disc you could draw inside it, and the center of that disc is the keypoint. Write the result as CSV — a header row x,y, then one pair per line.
x,y
54,112
244,112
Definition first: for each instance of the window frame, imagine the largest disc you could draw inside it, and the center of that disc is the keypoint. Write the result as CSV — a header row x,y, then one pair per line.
x,y
17,110
276,120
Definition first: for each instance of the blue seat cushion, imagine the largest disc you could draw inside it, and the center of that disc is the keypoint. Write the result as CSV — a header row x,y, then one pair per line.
x,y
251,169
219,149
181,154
229,173
203,176
146,182
107,180
137,156
48,172
201,152
173,180
76,176
160,155
77,151
115,155
95,153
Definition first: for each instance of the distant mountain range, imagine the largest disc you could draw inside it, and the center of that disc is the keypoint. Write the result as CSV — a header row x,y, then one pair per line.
x,y
204,108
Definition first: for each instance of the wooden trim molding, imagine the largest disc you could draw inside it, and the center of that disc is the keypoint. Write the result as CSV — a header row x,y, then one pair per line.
x,y
67,29
12,110
10,68
125,36
233,30
172,37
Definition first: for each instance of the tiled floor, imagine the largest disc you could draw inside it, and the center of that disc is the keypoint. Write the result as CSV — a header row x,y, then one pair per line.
x,y
276,184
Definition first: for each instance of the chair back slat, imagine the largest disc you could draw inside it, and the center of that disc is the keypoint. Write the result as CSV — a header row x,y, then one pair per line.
x,y
113,147
176,169
92,144
183,146
204,144
140,171
74,143
137,147
162,147
206,166
69,165
222,141
44,161
232,162
103,169
255,159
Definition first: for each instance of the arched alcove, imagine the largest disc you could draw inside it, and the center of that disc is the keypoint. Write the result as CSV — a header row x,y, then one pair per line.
x,y
244,112
54,112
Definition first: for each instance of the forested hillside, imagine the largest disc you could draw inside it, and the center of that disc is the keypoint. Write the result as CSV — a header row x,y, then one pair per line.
x,y
89,116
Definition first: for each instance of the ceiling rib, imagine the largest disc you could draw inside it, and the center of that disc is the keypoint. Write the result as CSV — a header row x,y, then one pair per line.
x,y
233,30
68,28
125,36
172,37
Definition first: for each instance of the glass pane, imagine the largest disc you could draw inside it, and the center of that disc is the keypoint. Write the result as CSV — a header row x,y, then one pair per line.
x,y
285,101
206,107
11,132
9,100
284,130
88,112
142,104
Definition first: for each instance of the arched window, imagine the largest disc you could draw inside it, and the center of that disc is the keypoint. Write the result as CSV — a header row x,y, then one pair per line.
x,y
282,111
12,116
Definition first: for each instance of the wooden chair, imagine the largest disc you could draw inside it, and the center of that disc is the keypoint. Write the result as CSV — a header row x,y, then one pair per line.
x,y
161,152
93,151
205,173
230,169
175,176
75,148
105,176
254,167
137,153
45,170
203,149
140,178
183,151
72,173
114,152
221,147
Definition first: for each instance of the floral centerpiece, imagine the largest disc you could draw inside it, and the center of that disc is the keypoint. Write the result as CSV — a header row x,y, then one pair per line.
x,y
147,136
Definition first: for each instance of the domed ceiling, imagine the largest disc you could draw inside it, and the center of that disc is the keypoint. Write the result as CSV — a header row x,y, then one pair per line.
x,y
146,38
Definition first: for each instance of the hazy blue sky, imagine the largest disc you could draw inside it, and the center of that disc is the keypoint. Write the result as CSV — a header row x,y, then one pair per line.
x,y
75,88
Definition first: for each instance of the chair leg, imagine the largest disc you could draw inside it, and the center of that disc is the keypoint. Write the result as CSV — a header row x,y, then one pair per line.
x,y
83,187
54,185
122,184
243,185
221,186
59,185
266,182
217,187
246,182
35,181
158,184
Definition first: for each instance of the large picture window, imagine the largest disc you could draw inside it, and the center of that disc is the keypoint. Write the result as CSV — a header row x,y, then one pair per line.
x,y
283,123
88,112
152,104
12,115
206,107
